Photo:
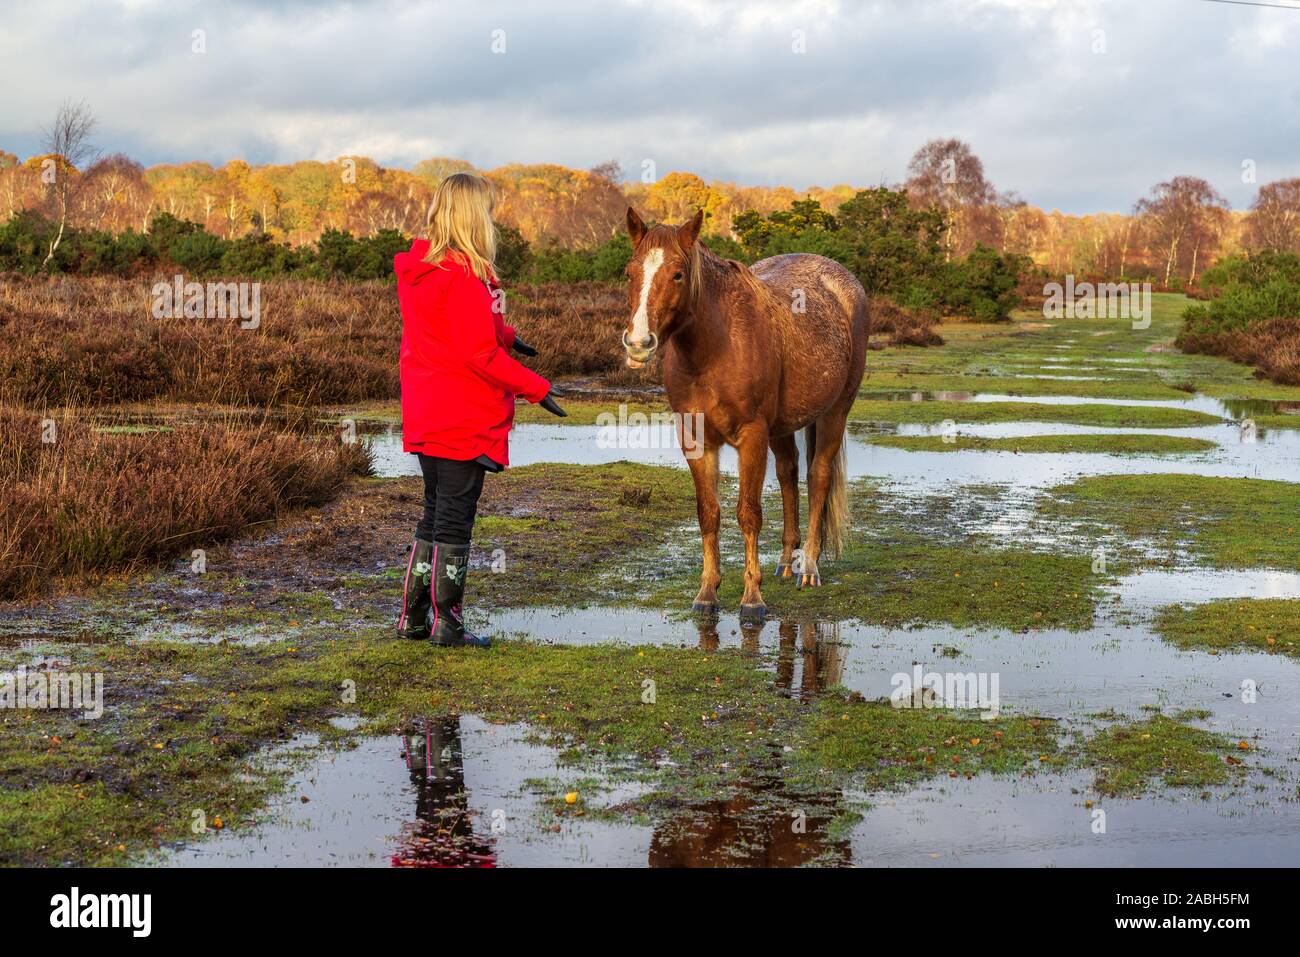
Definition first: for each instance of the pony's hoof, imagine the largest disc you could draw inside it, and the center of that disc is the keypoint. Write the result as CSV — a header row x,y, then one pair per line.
x,y
705,607
810,580
783,570
753,612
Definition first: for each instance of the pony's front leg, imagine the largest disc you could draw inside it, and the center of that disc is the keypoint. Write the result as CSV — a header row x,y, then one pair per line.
x,y
752,452
704,470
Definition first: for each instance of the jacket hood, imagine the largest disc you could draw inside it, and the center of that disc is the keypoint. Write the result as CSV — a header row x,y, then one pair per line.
x,y
411,268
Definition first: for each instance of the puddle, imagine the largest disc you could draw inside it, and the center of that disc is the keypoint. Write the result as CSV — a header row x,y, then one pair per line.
x,y
1116,664
808,654
455,795
1272,455
987,822
457,791
1149,590
464,793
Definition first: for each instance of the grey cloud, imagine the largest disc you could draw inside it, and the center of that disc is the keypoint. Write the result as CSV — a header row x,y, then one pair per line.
x,y
1183,87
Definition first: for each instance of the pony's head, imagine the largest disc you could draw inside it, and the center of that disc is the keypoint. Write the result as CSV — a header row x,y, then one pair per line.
x,y
663,281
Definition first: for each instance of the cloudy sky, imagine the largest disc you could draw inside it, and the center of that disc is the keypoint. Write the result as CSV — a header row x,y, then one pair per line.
x,y
1076,104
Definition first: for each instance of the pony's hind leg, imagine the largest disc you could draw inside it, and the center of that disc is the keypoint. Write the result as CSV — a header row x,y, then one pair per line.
x,y
826,485
704,470
787,473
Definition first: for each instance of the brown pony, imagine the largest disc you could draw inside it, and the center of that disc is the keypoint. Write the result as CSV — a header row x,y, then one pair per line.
x,y
757,354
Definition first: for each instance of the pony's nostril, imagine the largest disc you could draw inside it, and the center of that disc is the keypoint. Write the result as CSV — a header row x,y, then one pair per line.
x,y
640,345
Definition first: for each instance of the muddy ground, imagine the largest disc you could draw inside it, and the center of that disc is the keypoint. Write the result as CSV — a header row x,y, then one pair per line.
x,y
1020,513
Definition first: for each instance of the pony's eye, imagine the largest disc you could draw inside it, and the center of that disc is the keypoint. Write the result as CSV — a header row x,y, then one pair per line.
x,y
677,277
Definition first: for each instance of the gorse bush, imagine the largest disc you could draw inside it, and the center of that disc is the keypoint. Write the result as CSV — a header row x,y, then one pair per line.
x,y
173,243
1248,290
895,251
1252,316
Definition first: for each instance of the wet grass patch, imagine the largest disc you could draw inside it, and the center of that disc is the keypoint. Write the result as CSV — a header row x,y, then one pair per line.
x,y
878,746
878,382
1130,758
1098,443
1237,624
583,411
1084,413
1226,522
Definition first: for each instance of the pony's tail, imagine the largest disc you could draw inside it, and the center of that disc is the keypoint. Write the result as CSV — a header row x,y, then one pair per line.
x,y
835,513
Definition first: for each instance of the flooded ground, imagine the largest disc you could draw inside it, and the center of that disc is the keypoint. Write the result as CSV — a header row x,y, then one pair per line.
x,y
459,788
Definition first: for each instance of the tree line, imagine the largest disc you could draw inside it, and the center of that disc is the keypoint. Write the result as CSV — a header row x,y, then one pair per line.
x,y
1170,236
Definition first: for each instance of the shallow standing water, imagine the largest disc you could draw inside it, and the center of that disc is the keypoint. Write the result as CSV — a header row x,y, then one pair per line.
x,y
365,806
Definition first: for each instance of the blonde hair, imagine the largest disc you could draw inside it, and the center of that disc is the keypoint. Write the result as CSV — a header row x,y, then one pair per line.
x,y
460,222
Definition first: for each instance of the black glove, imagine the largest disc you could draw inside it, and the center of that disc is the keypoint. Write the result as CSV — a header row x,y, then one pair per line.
x,y
523,348
551,406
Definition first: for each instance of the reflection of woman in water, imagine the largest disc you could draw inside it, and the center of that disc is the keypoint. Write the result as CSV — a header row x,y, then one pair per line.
x,y
442,834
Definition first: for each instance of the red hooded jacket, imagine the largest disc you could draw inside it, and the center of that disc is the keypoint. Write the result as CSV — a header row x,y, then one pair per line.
x,y
458,381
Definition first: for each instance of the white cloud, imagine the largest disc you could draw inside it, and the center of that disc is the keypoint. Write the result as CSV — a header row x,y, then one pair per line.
x,y
1182,87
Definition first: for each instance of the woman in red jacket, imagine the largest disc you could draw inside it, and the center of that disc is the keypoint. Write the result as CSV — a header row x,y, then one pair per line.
x,y
459,385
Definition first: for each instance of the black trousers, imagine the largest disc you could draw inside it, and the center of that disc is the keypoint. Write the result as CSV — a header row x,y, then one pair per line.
x,y
451,491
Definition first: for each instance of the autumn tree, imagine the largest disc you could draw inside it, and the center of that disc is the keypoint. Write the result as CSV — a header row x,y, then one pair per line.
x,y
1183,219
434,171
67,145
947,174
1274,219
556,205
610,171
114,196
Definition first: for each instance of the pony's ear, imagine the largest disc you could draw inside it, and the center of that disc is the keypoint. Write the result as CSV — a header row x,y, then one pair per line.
x,y
635,226
687,233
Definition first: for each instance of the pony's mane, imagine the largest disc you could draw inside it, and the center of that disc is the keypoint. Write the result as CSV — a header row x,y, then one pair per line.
x,y
708,270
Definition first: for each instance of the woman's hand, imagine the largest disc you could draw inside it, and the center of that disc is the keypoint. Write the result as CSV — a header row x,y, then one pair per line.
x,y
549,403
523,348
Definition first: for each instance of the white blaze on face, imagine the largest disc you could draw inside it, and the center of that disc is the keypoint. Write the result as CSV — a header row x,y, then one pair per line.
x,y
641,319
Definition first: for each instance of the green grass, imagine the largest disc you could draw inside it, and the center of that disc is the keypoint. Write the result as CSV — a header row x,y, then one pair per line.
x,y
1096,443
911,579
589,411
878,746
577,522
889,382
1130,758
1278,420
1226,522
1237,624
1085,413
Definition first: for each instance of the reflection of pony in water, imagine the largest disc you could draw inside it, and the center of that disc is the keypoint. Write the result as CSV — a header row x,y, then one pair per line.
x,y
814,646
818,649
756,354
442,834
